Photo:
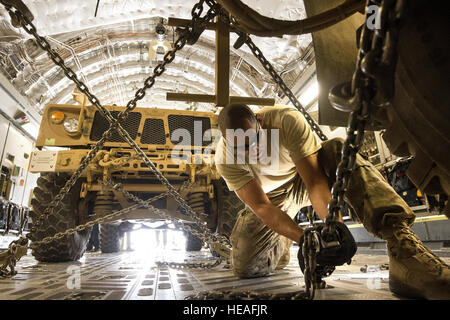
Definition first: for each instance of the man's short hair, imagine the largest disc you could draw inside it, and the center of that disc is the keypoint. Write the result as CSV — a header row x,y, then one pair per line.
x,y
235,116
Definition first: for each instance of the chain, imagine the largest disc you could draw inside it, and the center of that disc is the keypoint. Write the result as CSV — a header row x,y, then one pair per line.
x,y
18,248
280,82
377,51
8,259
367,90
375,68
310,249
190,265
246,295
373,47
377,47
106,218
115,123
245,38
186,35
204,234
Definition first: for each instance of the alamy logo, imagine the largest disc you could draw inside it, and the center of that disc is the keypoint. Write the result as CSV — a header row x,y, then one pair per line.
x,y
203,142
74,280
373,283
373,17
250,146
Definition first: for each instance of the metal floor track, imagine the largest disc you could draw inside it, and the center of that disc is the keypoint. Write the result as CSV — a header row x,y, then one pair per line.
x,y
135,276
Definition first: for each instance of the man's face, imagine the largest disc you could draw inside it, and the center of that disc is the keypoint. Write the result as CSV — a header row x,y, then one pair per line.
x,y
249,142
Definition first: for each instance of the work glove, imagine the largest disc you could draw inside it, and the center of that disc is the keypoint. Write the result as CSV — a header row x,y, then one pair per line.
x,y
330,256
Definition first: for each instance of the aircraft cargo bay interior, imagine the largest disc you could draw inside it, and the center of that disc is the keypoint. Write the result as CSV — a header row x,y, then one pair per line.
x,y
224,150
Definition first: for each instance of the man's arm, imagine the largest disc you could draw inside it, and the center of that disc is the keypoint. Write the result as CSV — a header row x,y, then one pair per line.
x,y
276,219
316,183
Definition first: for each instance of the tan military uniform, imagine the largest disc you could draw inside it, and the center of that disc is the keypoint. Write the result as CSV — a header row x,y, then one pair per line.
x,y
257,250
295,141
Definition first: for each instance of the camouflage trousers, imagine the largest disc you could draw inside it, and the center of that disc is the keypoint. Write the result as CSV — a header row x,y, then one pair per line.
x,y
257,250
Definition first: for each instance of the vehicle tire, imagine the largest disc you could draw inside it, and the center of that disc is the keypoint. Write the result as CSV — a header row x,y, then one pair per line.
x,y
109,238
418,120
193,243
65,216
228,207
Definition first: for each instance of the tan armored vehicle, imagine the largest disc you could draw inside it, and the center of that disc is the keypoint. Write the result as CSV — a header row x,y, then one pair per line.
x,y
77,128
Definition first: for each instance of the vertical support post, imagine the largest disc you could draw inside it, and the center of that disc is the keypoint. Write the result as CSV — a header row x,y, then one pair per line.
x,y
222,75
222,63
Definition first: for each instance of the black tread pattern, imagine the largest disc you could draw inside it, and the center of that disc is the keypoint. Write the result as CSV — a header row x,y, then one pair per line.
x,y
109,238
228,206
417,121
64,216
193,243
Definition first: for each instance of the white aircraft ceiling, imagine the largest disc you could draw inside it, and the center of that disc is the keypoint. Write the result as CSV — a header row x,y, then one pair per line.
x,y
110,52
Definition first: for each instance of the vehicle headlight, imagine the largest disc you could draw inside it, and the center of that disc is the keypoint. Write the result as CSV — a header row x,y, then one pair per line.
x,y
71,125
58,117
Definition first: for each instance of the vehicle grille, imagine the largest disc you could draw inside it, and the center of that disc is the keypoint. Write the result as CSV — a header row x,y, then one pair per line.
x,y
153,132
100,125
187,123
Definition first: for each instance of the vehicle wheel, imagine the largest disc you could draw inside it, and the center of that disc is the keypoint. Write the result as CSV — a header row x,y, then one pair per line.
x,y
418,120
193,243
63,217
228,207
109,238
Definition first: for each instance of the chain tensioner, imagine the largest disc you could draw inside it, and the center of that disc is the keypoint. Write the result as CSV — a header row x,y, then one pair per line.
x,y
22,17
367,90
373,47
371,86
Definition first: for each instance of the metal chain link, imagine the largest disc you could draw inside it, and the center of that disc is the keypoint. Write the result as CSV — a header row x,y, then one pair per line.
x,y
246,295
310,249
188,35
204,234
280,82
115,123
377,52
362,93
8,259
18,248
108,217
377,49
374,45
190,265
245,38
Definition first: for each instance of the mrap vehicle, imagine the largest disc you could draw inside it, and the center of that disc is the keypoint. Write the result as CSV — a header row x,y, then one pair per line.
x,y
76,128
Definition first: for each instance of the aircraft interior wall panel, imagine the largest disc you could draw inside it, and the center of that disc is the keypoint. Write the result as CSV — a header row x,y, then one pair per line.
x,y
4,125
18,147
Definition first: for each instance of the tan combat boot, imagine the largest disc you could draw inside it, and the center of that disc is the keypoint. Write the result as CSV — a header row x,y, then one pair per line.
x,y
414,271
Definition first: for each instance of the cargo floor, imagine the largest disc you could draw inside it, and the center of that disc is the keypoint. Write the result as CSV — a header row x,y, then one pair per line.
x,y
129,275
